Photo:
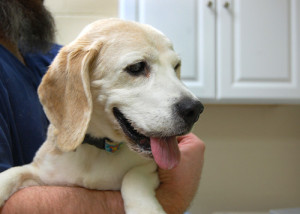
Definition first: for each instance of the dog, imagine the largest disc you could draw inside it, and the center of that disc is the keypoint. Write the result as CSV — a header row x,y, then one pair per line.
x,y
115,105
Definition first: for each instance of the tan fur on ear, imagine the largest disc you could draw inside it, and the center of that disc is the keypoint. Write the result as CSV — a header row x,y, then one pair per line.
x,y
66,96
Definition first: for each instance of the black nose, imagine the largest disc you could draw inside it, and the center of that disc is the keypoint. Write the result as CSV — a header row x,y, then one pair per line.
x,y
189,110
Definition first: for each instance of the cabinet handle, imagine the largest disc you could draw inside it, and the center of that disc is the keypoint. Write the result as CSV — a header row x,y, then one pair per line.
x,y
227,5
209,4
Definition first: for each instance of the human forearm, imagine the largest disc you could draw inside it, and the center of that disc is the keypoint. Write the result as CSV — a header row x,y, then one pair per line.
x,y
60,200
53,199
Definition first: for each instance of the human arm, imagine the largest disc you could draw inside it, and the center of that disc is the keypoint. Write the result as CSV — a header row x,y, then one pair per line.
x,y
60,200
6,157
177,189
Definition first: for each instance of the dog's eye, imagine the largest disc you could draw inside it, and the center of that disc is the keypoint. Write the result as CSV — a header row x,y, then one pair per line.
x,y
137,68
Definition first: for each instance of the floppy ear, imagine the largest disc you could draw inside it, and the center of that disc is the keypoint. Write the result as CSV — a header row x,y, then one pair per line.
x,y
66,96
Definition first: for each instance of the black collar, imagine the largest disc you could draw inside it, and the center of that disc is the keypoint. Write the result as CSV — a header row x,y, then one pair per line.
x,y
102,143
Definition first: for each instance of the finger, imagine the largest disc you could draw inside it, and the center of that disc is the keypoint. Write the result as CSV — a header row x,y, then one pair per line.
x,y
189,139
189,136
190,143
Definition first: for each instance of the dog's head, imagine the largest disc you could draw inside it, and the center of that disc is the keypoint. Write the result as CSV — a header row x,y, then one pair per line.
x,y
120,80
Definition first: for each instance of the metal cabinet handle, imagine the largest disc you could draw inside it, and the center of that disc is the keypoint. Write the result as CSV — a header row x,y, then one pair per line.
x,y
209,4
227,5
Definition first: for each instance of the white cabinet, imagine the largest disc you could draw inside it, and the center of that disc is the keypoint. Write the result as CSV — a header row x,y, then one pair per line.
x,y
258,50
233,51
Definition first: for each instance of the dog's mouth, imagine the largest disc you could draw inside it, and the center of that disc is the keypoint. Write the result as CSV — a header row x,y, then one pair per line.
x,y
164,150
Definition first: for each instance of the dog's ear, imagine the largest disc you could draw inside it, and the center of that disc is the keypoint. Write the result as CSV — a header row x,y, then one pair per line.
x,y
66,96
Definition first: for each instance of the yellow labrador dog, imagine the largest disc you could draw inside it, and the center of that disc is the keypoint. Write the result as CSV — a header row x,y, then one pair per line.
x,y
115,106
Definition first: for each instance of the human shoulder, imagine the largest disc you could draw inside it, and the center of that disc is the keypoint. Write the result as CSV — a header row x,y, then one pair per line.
x,y
39,62
45,58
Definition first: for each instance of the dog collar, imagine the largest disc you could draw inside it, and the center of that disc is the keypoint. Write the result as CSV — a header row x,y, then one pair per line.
x,y
102,143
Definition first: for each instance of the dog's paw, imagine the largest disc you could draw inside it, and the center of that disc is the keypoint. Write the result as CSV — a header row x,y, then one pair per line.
x,y
5,189
1,202
145,211
144,208
4,195
13,179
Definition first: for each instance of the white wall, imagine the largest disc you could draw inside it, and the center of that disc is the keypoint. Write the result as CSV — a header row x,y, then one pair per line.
x,y
72,15
252,160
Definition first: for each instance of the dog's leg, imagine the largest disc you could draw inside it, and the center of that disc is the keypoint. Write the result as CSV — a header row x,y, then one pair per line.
x,y
138,190
15,178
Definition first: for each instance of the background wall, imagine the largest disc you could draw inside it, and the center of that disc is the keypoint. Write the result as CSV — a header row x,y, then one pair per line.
x,y
252,161
72,15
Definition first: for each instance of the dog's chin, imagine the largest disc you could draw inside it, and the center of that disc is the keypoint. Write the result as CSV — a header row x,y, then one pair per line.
x,y
139,142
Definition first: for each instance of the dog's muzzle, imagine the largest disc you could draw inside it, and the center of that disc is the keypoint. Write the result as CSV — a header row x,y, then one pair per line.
x,y
163,147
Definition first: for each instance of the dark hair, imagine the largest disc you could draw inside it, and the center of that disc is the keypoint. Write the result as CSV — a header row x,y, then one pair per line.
x,y
27,23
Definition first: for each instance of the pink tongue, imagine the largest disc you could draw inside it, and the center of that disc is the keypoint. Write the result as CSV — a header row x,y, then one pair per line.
x,y
165,152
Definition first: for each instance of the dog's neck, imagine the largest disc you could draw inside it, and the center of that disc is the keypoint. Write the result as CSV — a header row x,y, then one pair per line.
x,y
102,143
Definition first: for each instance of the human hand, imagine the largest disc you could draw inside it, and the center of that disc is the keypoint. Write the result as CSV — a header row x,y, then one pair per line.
x,y
179,185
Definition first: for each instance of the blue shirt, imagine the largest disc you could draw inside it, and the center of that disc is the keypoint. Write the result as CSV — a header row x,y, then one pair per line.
x,y
23,123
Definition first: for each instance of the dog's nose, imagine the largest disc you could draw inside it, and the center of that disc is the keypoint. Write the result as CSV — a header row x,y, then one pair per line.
x,y
189,110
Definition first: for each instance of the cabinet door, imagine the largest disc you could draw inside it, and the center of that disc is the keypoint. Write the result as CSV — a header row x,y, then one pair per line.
x,y
258,51
190,24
